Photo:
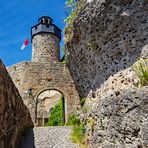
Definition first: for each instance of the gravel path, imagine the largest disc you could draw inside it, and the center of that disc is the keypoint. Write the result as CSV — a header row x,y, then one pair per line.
x,y
48,137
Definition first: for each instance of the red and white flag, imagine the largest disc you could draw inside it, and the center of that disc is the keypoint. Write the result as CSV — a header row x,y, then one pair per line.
x,y
26,42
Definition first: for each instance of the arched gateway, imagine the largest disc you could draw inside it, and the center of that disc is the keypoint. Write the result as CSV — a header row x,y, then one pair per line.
x,y
46,100
45,72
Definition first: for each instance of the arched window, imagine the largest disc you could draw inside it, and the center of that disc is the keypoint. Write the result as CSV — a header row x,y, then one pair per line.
x,y
46,21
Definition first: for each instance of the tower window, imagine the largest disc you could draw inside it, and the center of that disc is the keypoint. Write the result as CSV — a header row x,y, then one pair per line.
x,y
36,27
46,21
47,26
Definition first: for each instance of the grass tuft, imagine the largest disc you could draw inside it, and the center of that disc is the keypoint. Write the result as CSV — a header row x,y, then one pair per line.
x,y
141,70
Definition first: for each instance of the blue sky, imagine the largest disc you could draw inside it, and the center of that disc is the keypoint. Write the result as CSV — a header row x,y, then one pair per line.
x,y
16,19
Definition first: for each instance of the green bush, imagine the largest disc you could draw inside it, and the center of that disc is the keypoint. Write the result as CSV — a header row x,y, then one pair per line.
x,y
78,134
141,70
73,120
78,130
56,116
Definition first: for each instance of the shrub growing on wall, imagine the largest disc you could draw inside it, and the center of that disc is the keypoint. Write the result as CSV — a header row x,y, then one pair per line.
x,y
70,11
78,130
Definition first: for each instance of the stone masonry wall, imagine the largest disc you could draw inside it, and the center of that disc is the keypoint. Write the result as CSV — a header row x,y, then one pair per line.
x,y
14,115
45,76
45,48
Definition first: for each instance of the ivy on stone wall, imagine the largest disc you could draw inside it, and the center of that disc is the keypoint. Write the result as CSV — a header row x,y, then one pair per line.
x,y
70,11
72,8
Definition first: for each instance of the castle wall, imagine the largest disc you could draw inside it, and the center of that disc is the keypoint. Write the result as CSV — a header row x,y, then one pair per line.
x,y
14,115
45,48
43,76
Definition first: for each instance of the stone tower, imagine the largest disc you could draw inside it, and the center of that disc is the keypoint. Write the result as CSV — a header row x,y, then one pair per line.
x,y
46,38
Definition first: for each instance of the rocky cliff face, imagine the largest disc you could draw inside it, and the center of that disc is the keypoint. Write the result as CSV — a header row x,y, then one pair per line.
x,y
108,38
119,121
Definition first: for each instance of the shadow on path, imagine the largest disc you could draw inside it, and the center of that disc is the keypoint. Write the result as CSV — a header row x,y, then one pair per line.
x,y
28,139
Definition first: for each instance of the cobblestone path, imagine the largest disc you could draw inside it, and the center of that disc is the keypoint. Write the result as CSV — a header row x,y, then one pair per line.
x,y
48,137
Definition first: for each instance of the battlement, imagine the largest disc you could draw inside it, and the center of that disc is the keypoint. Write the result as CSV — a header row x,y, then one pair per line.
x,y
45,25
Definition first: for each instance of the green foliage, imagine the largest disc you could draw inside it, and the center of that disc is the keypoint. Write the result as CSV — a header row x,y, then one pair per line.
x,y
78,130
82,101
70,18
70,3
78,134
73,120
141,70
70,10
56,116
64,61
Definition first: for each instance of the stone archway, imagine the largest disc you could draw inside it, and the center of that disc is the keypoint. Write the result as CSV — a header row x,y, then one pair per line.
x,y
46,100
39,77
